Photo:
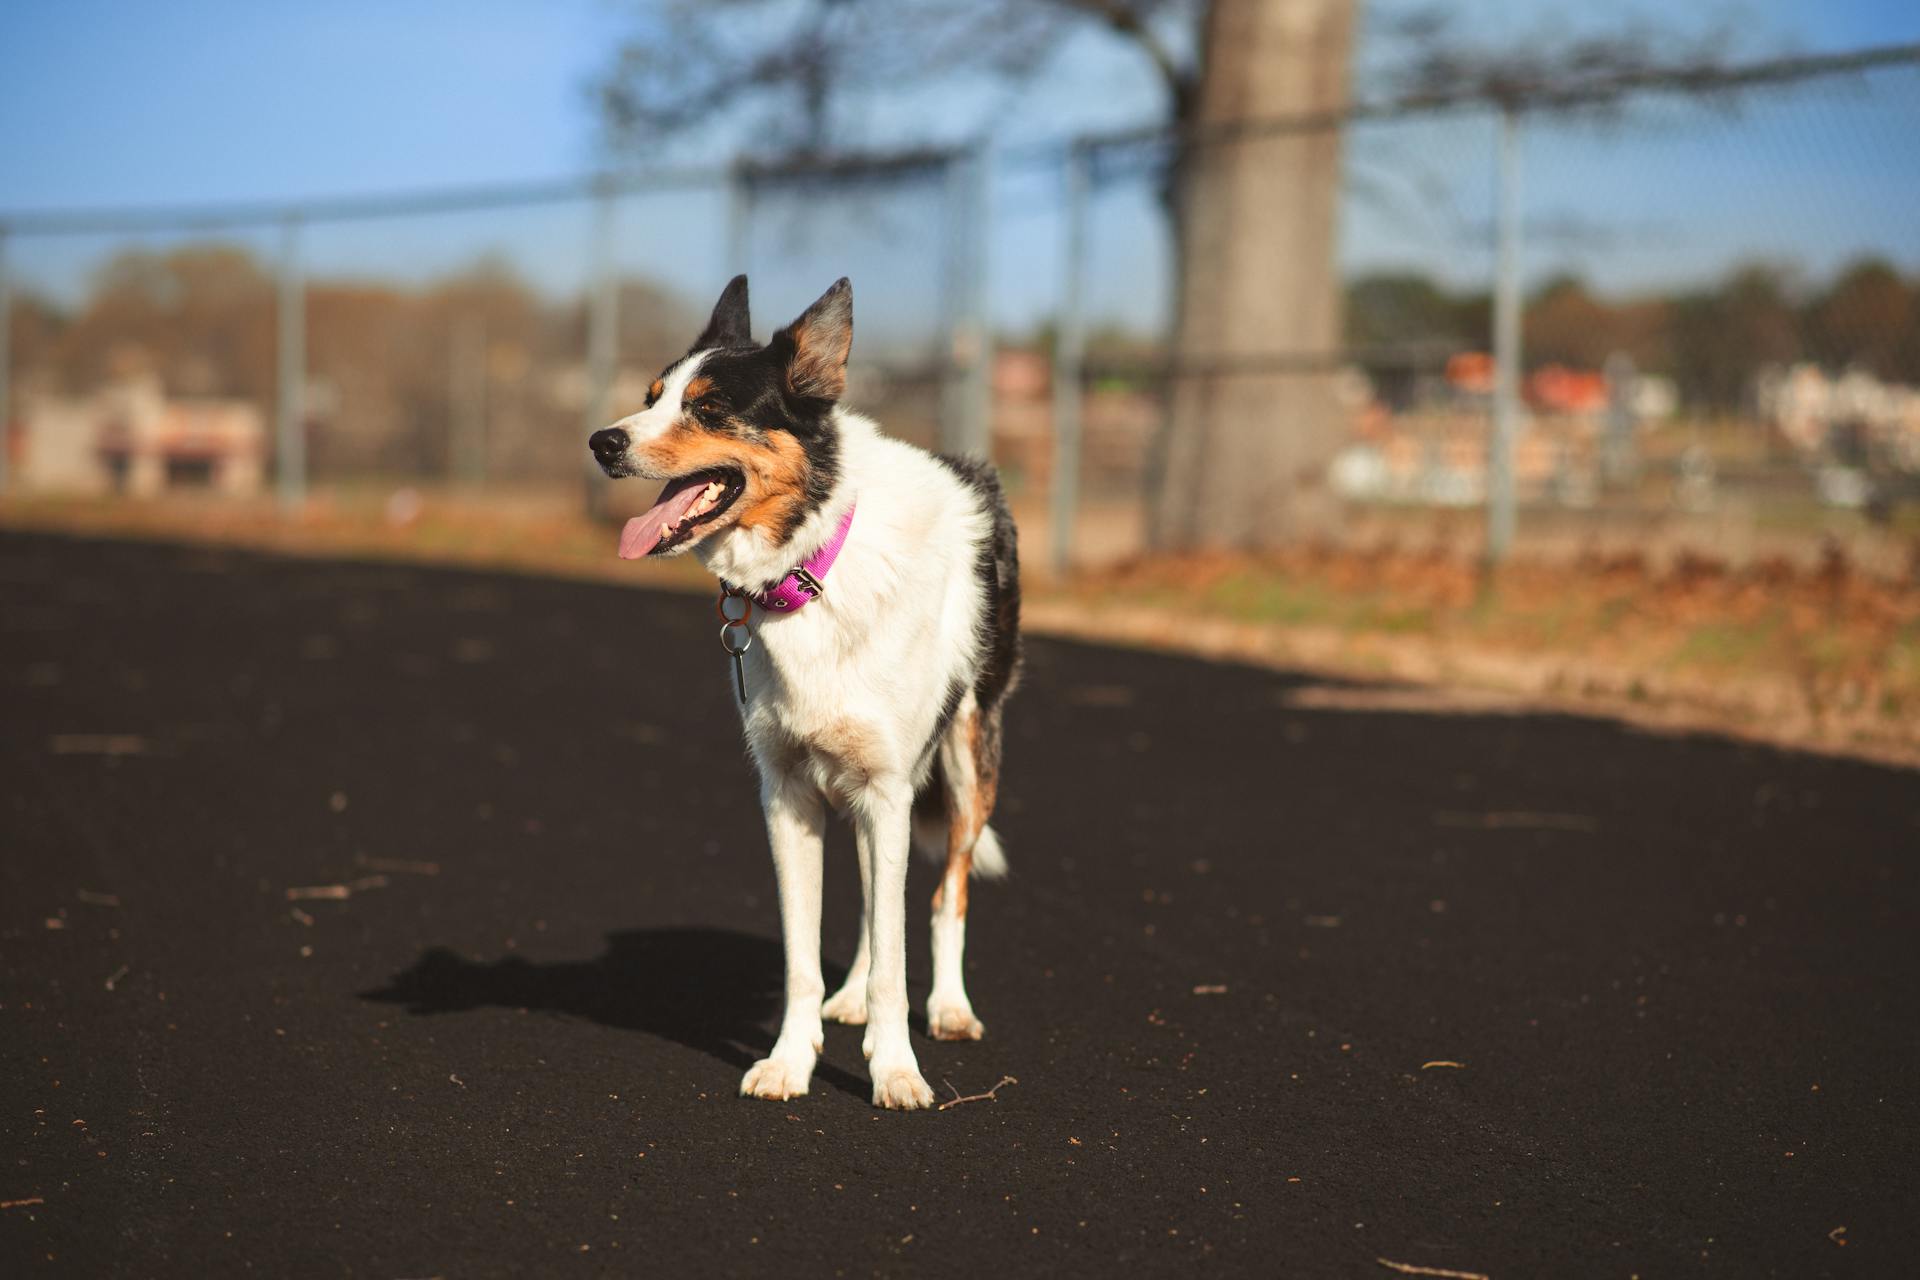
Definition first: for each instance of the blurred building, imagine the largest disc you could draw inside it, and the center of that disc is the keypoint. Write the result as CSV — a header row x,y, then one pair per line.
x,y
1816,412
131,438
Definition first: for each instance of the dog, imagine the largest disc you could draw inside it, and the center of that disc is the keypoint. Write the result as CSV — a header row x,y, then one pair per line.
x,y
871,598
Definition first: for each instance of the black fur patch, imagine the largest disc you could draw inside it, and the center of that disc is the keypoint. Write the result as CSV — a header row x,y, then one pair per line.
x,y
998,568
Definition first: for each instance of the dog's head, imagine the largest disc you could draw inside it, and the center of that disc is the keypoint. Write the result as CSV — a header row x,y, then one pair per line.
x,y
744,435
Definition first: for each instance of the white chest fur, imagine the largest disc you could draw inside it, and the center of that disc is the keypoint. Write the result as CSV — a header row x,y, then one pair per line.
x,y
847,691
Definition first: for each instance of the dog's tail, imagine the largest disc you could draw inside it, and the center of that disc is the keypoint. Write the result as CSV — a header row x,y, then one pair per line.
x,y
989,859
930,838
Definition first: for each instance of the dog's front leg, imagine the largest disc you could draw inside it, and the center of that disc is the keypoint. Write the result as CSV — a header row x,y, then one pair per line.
x,y
883,828
849,1003
796,826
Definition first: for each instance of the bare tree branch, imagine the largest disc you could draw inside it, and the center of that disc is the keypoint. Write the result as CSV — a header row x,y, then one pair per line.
x,y
794,74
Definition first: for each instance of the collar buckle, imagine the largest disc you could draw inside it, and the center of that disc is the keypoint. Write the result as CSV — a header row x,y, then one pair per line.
x,y
806,582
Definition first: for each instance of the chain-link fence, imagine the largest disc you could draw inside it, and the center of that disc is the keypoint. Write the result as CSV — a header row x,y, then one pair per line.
x,y
1714,294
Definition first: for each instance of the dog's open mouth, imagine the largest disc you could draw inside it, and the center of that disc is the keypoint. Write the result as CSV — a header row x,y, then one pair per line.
x,y
682,507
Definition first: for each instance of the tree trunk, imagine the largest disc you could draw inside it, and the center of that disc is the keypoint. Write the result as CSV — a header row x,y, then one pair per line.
x,y
1253,419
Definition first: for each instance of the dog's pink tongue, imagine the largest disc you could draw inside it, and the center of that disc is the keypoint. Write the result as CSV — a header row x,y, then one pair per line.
x,y
642,533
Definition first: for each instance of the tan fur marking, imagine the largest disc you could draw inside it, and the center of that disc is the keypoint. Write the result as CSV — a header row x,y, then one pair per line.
x,y
855,746
696,388
783,486
776,471
986,773
653,392
966,815
820,363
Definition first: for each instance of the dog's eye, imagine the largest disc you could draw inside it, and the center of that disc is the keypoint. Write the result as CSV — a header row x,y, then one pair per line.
x,y
707,406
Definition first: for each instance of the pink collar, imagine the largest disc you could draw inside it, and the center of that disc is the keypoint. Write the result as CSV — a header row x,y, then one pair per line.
x,y
808,580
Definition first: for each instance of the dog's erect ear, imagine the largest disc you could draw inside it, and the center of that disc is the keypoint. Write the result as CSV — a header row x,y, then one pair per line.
x,y
817,344
729,325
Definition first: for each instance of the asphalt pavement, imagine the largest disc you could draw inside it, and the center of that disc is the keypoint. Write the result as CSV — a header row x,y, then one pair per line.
x,y
365,919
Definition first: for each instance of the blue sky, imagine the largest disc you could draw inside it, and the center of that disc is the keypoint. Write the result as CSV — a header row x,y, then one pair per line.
x,y
209,100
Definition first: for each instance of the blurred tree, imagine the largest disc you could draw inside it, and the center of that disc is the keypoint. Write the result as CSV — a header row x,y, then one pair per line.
x,y
1395,308
382,360
1552,64
201,317
1718,338
794,72
1867,318
1252,212
1567,324
35,328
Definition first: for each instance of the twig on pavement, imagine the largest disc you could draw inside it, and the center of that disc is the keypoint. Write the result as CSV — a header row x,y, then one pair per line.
x,y
336,892
1413,1269
956,1100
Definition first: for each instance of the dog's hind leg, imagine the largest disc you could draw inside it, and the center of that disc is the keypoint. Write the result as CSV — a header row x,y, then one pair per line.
x,y
796,828
970,771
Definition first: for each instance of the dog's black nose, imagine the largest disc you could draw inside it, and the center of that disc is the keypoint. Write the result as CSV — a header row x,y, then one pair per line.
x,y
608,445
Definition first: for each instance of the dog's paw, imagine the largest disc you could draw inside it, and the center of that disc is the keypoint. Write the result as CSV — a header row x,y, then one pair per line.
x,y
775,1079
901,1089
953,1022
847,1005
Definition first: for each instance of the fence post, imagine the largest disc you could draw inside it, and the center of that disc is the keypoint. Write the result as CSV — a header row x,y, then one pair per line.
x,y
6,367
603,334
1506,343
467,399
979,418
1069,354
739,221
291,436
969,390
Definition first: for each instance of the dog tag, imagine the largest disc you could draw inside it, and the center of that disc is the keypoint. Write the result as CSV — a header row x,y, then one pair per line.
x,y
735,638
739,675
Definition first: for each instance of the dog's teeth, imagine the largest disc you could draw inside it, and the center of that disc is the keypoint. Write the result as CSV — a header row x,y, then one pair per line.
x,y
666,530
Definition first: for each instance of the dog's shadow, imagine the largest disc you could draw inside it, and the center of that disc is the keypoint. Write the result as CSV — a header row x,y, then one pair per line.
x,y
714,990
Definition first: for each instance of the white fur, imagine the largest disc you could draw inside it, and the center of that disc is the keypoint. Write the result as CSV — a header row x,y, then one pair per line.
x,y
843,697
658,418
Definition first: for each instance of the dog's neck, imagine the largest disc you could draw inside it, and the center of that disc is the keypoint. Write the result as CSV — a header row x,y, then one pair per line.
x,y
748,559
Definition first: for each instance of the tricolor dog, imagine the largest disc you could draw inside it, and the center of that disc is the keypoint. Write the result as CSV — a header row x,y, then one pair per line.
x,y
872,605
